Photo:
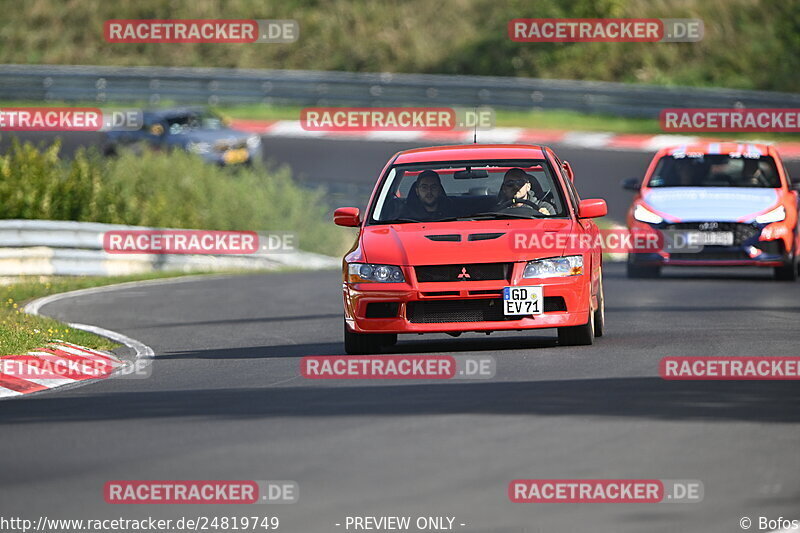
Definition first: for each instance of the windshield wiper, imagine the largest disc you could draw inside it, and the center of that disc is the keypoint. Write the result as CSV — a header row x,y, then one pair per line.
x,y
398,221
494,214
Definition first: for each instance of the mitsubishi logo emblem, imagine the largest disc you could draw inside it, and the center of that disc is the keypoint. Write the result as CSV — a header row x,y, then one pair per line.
x,y
463,274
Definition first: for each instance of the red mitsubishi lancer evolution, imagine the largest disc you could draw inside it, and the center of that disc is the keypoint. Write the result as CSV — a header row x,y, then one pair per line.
x,y
445,246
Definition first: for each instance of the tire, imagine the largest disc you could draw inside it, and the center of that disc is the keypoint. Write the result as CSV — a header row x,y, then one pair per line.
x,y
787,272
600,312
578,335
366,343
643,271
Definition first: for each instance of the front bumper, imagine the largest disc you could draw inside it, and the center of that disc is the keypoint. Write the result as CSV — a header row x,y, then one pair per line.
x,y
754,245
461,306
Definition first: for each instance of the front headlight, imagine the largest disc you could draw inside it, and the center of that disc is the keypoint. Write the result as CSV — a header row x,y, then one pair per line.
x,y
776,215
254,141
363,272
645,215
555,267
199,148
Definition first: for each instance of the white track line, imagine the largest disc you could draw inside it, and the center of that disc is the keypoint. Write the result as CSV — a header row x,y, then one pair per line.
x,y
96,356
144,354
8,393
33,307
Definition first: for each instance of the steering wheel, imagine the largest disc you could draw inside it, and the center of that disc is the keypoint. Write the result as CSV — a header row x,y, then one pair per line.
x,y
509,203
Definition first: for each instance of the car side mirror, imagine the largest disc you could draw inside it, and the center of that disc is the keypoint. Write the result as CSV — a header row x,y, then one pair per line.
x,y
568,169
347,217
593,208
631,184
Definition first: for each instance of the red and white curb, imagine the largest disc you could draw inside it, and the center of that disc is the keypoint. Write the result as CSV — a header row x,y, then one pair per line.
x,y
61,362
98,365
580,139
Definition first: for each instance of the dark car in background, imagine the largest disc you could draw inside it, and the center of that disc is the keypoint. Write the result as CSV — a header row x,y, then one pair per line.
x,y
194,129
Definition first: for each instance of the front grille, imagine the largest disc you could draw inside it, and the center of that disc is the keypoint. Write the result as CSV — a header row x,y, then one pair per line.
x,y
437,312
712,253
724,253
440,293
741,232
483,310
468,272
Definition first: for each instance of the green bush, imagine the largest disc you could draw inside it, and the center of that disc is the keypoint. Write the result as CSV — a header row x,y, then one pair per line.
x,y
175,190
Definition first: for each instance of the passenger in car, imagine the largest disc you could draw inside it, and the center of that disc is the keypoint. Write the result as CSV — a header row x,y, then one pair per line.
x,y
520,191
427,199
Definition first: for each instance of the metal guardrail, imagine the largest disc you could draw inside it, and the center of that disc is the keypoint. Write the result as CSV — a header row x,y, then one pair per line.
x,y
214,86
65,248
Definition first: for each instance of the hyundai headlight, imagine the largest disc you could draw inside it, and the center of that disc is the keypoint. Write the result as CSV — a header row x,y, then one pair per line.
x,y
199,148
555,267
254,141
643,214
363,272
776,215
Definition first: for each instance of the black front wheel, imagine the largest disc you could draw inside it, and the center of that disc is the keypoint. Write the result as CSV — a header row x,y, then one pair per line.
x,y
600,312
366,343
582,335
787,272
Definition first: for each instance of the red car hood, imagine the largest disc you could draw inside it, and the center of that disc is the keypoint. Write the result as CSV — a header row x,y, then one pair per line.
x,y
410,244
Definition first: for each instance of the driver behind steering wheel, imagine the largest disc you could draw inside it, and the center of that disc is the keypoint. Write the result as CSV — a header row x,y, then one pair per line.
x,y
516,194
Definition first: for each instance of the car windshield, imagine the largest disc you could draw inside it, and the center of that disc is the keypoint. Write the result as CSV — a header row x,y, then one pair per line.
x,y
191,121
704,170
474,190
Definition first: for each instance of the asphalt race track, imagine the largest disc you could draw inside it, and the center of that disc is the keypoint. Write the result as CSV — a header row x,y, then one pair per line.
x,y
225,399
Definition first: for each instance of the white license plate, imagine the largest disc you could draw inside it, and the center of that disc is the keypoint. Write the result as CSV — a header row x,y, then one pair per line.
x,y
528,300
710,238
